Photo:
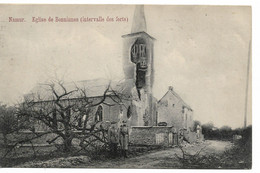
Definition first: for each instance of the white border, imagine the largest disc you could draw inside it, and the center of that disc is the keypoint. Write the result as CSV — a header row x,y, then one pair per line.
x,y
255,71
173,2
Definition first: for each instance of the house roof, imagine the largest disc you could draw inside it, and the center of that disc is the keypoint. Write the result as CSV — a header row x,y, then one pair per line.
x,y
92,88
171,91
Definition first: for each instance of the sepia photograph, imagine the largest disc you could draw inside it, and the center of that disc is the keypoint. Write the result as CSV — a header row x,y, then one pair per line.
x,y
125,86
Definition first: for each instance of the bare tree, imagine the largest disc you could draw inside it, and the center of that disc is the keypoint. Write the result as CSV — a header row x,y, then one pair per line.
x,y
64,111
189,160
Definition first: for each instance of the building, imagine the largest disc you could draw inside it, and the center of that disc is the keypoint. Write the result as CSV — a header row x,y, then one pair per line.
x,y
174,111
141,109
138,65
137,85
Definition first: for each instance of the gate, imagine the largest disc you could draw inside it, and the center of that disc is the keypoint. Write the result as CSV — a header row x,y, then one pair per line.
x,y
170,137
159,138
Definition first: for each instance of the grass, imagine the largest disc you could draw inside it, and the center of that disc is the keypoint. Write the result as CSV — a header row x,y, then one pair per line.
x,y
42,154
238,157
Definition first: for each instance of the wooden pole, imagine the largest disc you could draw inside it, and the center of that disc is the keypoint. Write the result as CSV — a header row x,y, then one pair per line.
x,y
247,81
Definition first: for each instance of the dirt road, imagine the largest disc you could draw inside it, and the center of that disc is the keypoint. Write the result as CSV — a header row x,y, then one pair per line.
x,y
153,159
161,159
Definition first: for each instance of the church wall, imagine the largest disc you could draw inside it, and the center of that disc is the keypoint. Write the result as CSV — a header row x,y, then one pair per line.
x,y
112,111
109,113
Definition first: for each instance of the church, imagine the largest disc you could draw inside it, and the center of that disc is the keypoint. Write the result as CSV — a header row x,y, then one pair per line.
x,y
141,110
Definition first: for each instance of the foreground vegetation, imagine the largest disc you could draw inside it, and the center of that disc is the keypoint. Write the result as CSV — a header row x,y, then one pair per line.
x,y
237,157
51,157
11,155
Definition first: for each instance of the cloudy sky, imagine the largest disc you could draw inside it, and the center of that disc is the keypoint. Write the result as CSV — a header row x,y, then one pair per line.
x,y
202,51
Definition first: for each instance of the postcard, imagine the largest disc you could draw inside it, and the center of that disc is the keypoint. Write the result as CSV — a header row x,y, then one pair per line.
x,y
125,86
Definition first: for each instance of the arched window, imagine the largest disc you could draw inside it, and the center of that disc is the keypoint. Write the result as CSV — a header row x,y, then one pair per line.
x,y
80,121
129,112
99,114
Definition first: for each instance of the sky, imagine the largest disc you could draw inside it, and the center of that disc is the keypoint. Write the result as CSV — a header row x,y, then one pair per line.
x,y
202,51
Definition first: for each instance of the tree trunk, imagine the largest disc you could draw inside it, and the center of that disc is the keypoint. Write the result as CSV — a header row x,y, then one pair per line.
x,y
5,139
67,144
67,139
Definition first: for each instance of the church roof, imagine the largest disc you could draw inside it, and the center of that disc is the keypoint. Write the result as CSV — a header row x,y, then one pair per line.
x,y
92,88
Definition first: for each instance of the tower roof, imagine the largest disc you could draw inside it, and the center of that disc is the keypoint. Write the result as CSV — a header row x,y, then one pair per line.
x,y
139,23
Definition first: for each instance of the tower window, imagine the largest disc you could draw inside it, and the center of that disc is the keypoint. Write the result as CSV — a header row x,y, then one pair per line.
x,y
143,63
138,56
138,50
142,50
134,53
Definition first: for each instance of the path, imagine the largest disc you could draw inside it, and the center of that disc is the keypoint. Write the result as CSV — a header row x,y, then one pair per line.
x,y
160,159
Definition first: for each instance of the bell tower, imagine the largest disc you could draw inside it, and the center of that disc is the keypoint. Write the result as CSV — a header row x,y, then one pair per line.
x,y
138,66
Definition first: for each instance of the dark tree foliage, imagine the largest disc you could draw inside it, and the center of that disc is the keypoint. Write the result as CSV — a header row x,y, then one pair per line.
x,y
8,121
239,156
224,133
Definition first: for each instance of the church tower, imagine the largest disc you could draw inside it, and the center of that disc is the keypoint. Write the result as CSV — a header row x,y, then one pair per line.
x,y
138,67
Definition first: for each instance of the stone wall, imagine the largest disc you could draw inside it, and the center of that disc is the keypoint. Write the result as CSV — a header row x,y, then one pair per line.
x,y
144,135
164,136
